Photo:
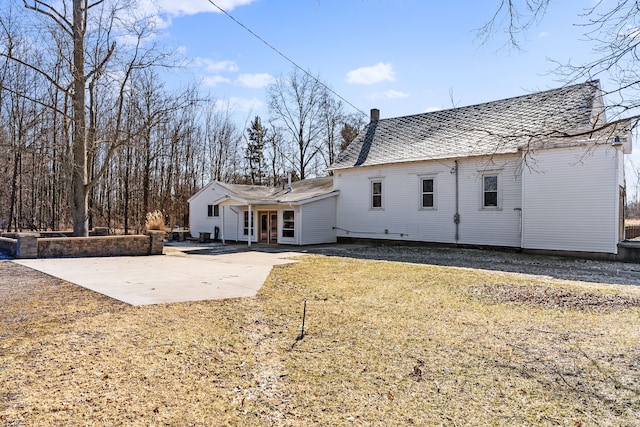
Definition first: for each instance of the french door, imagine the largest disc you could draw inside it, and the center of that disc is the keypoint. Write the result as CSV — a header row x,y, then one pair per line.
x,y
268,226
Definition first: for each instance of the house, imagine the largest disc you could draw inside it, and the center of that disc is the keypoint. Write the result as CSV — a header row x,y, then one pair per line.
x,y
541,172
301,213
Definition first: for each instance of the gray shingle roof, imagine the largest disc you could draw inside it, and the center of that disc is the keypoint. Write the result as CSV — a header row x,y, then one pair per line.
x,y
504,126
300,191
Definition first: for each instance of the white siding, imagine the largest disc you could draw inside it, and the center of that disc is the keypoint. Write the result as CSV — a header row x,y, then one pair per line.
x,y
571,200
314,221
200,223
490,226
317,222
401,217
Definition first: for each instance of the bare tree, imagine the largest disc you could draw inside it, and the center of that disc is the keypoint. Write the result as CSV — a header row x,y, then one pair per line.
x,y
611,28
103,43
274,155
612,31
221,137
296,103
333,118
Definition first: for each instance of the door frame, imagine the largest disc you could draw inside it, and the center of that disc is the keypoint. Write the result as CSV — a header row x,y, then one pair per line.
x,y
268,231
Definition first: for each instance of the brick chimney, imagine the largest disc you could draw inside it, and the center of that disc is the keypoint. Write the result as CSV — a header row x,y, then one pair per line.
x,y
375,115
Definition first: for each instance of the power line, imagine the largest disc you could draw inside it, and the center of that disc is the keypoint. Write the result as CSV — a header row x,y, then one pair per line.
x,y
286,57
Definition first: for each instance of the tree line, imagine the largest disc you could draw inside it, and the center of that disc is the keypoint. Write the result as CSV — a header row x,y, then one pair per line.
x,y
91,134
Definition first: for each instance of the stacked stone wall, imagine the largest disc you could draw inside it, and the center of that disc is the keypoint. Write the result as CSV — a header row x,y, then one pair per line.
x,y
8,246
74,247
33,245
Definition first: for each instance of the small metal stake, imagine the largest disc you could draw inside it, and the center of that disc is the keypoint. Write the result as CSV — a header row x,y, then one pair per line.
x,y
304,315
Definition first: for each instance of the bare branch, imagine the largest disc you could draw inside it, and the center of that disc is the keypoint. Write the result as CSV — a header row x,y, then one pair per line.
x,y
34,68
519,18
52,13
34,100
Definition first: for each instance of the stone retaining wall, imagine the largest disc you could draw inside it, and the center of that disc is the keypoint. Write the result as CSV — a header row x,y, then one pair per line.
x,y
73,247
8,246
30,245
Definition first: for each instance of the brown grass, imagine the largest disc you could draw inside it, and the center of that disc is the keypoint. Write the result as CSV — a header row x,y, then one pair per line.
x,y
155,221
386,344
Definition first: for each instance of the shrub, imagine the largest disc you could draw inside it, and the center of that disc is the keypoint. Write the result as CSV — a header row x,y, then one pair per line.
x,y
155,221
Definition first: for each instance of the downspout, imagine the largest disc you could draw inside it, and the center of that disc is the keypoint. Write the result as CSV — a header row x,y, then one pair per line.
x,y
250,226
299,234
222,226
456,216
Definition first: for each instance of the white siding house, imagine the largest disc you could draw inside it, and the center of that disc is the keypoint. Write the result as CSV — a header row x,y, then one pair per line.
x,y
582,213
301,214
538,172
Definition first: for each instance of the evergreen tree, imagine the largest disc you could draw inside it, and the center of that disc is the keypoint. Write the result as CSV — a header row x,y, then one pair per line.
x,y
254,152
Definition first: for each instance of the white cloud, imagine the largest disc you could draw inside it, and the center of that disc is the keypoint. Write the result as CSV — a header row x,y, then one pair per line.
x,y
216,66
374,74
543,34
193,7
432,109
255,80
389,94
213,81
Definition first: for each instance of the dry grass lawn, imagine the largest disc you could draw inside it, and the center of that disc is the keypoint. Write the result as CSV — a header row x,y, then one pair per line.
x,y
386,344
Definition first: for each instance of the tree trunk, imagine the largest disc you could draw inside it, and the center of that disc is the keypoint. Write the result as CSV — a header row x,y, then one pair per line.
x,y
14,189
79,193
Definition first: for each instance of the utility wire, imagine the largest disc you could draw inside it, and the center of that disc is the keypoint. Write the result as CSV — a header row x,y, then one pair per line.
x,y
285,57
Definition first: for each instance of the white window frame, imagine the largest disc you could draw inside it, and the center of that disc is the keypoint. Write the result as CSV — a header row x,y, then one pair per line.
x,y
215,211
498,176
284,228
372,182
421,193
245,223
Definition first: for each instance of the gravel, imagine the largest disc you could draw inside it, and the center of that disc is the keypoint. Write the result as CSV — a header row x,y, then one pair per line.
x,y
556,267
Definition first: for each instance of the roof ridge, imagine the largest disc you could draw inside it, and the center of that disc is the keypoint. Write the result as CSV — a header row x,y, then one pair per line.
x,y
594,82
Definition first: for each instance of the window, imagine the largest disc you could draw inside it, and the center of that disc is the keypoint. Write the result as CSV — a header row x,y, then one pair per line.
x,y
288,224
246,224
490,191
213,210
376,194
427,188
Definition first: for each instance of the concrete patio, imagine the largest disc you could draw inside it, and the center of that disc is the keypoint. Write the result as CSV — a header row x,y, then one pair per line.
x,y
184,273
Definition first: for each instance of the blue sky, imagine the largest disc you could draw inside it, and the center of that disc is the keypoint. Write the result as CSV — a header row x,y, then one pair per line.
x,y
401,56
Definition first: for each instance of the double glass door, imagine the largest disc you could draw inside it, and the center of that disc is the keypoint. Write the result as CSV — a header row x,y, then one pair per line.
x,y
268,227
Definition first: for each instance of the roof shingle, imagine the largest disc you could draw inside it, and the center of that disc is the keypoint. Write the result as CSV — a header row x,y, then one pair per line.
x,y
497,127
300,191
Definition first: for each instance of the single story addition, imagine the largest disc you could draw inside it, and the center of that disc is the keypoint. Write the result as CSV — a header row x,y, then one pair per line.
x,y
301,213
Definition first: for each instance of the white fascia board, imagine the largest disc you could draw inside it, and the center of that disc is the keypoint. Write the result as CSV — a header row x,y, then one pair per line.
x,y
315,199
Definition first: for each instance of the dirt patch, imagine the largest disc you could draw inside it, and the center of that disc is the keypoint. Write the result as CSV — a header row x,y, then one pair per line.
x,y
565,268
554,298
